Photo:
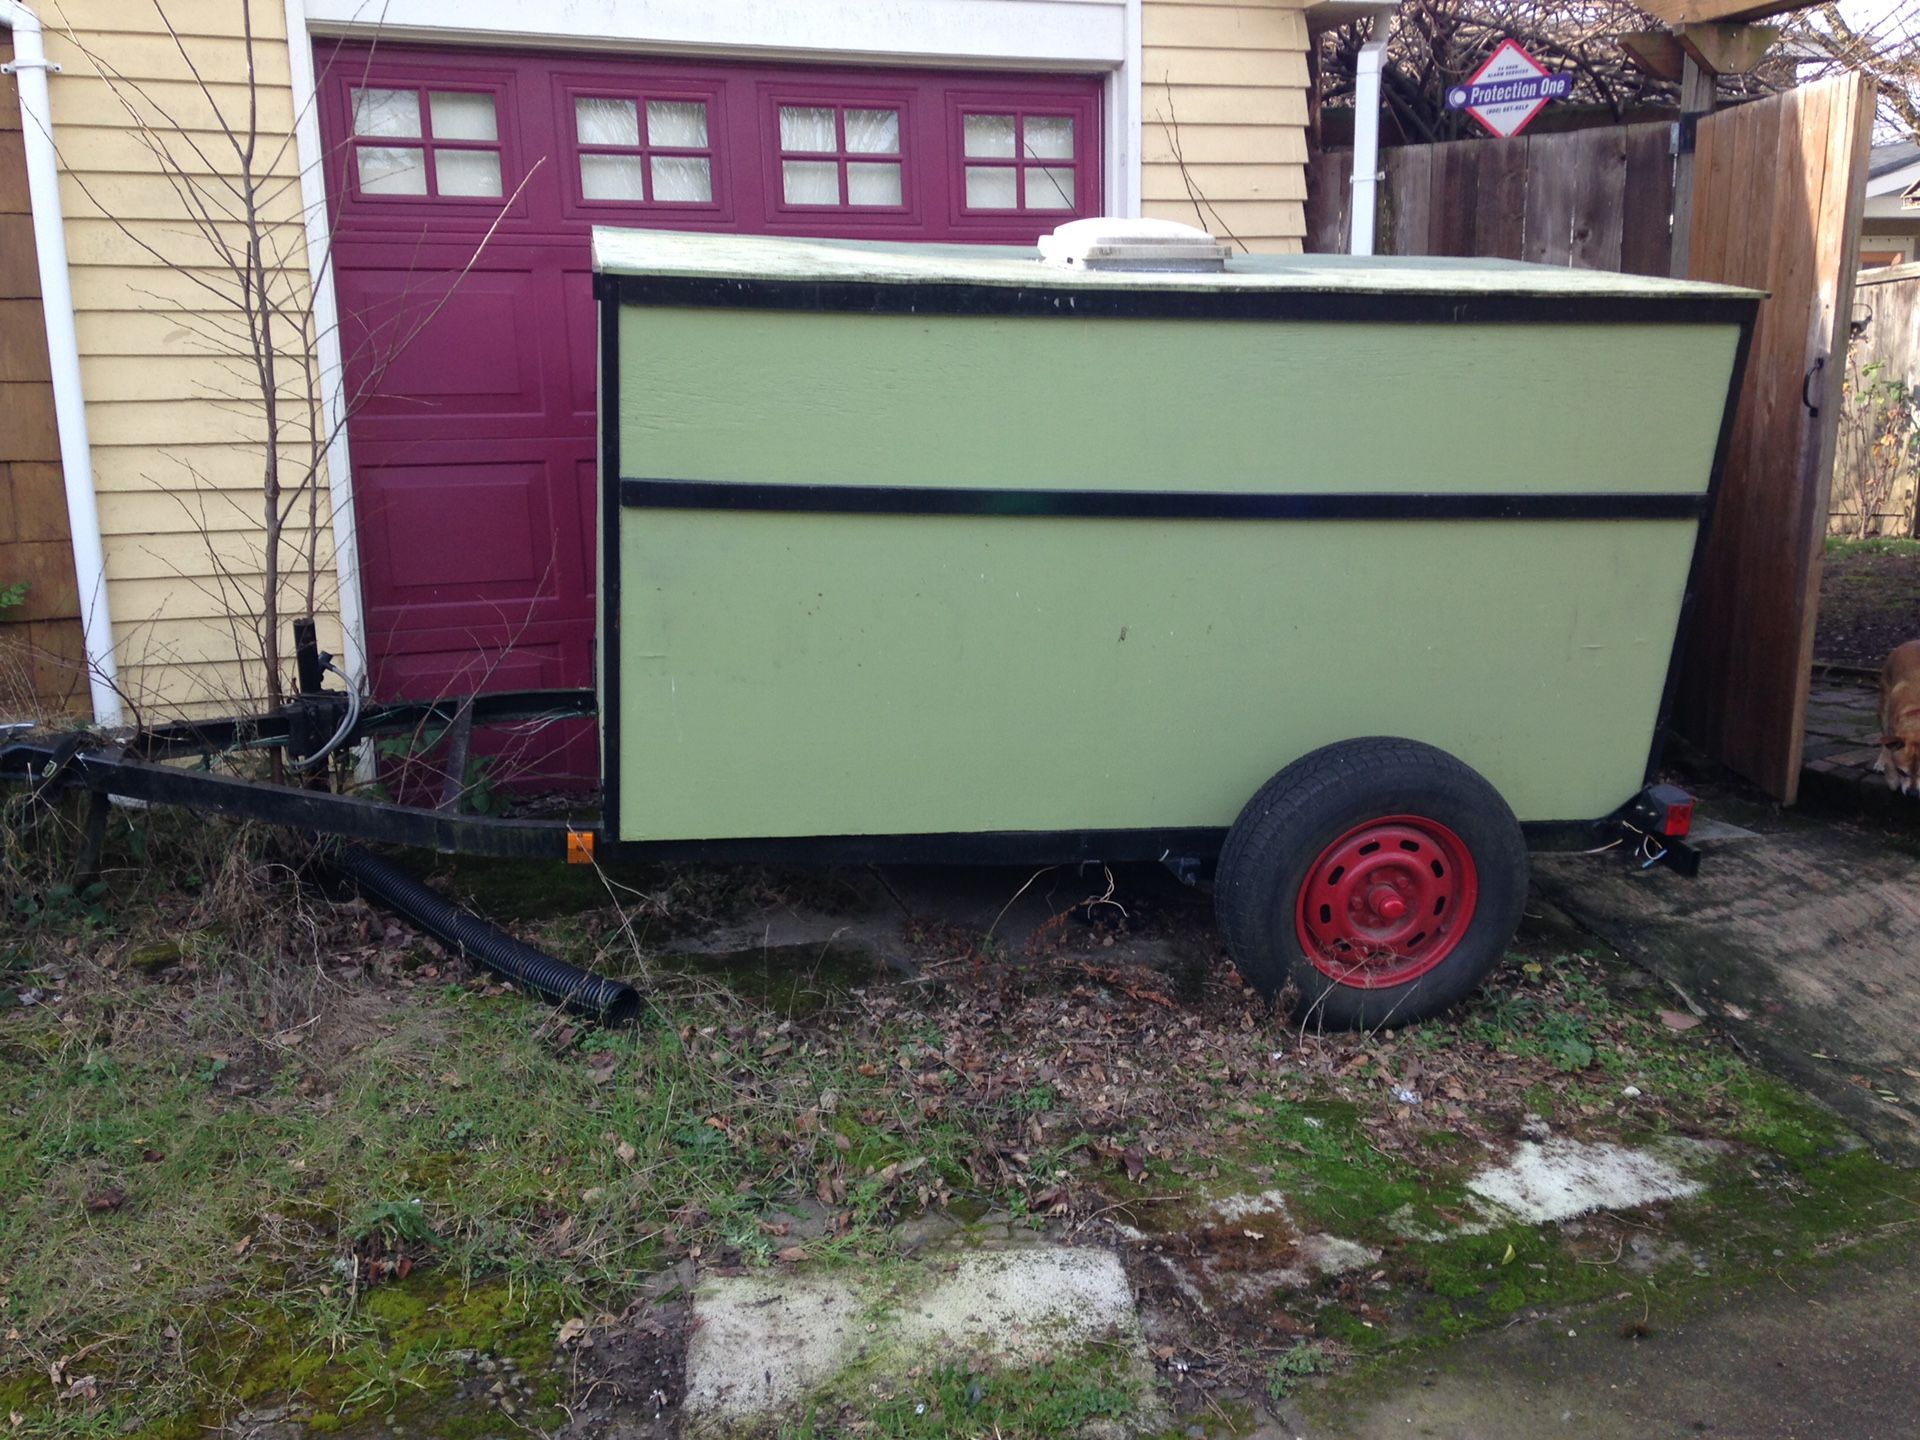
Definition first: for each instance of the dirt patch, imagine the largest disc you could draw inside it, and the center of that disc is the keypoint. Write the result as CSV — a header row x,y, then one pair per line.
x,y
629,1378
1869,601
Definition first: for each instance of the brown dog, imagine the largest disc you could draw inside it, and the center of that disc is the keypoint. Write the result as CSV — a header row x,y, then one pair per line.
x,y
1900,718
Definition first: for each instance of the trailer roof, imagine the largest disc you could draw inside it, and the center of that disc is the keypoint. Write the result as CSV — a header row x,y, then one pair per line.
x,y
683,255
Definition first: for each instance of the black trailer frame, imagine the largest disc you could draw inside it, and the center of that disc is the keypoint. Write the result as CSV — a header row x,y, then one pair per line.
x,y
147,767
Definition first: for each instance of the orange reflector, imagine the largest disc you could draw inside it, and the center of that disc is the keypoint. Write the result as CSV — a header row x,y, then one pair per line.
x,y
580,847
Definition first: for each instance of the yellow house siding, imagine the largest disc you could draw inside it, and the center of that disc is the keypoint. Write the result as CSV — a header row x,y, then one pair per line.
x,y
172,399
1223,118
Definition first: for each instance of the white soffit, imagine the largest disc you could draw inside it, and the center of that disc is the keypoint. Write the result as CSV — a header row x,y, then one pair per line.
x,y
1058,34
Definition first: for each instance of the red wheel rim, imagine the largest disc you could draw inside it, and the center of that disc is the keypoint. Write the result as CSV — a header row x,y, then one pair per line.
x,y
1387,902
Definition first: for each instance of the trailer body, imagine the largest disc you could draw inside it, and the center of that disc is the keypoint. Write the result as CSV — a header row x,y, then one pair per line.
x,y
911,552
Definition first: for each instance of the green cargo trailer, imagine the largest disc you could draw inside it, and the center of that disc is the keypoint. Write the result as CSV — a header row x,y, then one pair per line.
x,y
1358,576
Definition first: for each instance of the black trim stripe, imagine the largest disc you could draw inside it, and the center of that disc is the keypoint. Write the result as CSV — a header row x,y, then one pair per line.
x,y
881,297
608,639
647,494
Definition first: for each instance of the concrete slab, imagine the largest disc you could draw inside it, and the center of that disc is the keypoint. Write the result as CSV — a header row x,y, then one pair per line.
x,y
1559,1178
762,1343
1804,943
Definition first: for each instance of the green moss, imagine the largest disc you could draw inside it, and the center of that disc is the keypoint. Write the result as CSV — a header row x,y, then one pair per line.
x,y
1059,1397
23,1391
1334,1179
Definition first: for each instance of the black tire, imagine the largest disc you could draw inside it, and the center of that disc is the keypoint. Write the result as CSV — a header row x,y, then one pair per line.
x,y
1288,827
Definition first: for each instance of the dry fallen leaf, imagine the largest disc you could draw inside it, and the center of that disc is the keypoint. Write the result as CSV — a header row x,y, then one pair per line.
x,y
791,1255
102,1201
570,1331
1678,1020
625,1153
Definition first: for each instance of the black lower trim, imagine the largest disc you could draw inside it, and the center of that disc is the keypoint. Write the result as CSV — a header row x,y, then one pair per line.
x,y
986,847
1023,847
652,494
1547,837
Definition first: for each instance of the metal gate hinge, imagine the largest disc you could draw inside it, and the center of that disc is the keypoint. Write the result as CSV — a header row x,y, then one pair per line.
x,y
52,67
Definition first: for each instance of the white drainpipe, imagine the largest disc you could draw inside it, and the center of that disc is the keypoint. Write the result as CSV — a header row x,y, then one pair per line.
x,y
30,68
1366,133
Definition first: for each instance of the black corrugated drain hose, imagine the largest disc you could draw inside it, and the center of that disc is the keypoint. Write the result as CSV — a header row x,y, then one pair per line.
x,y
613,1001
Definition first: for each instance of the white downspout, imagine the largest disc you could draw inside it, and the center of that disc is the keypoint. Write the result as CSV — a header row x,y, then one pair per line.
x,y
310,151
29,68
1366,133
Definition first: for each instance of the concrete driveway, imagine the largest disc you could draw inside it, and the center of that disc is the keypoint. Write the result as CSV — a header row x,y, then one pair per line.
x,y
1801,936
1826,1360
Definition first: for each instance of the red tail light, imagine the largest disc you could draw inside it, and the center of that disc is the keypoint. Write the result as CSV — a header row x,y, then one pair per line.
x,y
1668,811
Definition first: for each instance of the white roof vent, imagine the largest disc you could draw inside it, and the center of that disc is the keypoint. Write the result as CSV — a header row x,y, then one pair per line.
x,y
1113,243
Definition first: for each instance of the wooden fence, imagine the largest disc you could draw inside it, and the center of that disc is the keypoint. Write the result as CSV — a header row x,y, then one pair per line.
x,y
1596,199
1876,464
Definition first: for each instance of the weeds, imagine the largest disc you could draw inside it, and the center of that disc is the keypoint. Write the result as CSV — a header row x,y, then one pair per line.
x,y
1286,1371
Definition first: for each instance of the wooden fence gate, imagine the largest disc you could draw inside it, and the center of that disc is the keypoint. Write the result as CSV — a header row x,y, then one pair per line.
x,y
1597,199
1778,189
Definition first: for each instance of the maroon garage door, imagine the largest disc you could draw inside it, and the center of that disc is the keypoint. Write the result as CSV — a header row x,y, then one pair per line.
x,y
463,187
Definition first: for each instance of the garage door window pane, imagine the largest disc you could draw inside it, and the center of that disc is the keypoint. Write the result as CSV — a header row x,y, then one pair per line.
x,y
991,187
607,122
467,172
1048,137
807,127
871,184
612,177
1049,188
389,114
682,179
677,124
392,170
988,137
873,132
810,182
462,117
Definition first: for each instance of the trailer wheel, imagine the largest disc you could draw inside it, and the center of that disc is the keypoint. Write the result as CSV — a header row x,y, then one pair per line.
x,y
1380,879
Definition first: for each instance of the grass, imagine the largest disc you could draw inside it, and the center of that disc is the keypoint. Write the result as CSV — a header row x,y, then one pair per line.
x,y
528,1175
1839,545
234,1159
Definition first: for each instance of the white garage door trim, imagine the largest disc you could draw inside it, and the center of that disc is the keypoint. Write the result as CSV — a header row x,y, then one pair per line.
x,y
1060,35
